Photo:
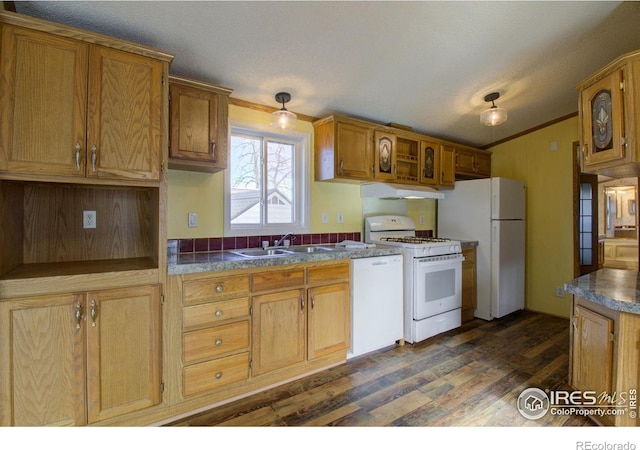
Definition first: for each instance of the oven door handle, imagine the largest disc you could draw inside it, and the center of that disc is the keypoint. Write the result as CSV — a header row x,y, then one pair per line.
x,y
440,262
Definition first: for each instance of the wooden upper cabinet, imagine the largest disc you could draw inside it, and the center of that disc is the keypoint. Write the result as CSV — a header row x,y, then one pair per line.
x,y
199,124
43,98
124,130
429,163
447,176
602,120
472,163
73,108
385,157
343,149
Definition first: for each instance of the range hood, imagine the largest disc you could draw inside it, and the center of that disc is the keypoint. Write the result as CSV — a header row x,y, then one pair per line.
x,y
392,191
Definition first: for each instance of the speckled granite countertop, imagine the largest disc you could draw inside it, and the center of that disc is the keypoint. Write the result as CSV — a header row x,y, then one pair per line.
x,y
615,289
182,264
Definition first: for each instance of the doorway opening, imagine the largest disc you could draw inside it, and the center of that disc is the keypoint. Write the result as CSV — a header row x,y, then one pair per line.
x,y
605,221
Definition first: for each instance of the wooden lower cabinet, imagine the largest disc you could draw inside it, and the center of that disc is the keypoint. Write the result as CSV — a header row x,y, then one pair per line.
x,y
245,330
329,321
279,329
605,358
469,283
73,359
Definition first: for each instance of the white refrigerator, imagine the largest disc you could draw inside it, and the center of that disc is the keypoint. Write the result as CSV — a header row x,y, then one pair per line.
x,y
492,212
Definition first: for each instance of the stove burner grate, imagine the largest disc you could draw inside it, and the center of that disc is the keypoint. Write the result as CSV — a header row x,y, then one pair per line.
x,y
414,239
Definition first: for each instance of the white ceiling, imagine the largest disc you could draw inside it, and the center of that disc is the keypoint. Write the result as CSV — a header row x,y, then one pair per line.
x,y
425,64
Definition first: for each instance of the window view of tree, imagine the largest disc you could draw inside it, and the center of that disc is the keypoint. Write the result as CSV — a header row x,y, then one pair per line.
x,y
262,180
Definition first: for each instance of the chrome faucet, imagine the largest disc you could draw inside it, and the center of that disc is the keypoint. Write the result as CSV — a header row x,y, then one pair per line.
x,y
277,242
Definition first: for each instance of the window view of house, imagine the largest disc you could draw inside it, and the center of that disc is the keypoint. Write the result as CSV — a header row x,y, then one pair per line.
x,y
262,180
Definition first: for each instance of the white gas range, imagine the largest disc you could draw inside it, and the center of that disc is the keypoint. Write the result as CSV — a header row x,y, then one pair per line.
x,y
432,276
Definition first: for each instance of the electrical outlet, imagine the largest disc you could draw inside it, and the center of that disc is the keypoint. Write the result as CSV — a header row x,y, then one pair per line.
x,y
340,217
193,220
88,219
325,217
421,220
559,291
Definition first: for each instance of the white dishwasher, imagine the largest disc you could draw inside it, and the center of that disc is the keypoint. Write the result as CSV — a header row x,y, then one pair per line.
x,y
376,303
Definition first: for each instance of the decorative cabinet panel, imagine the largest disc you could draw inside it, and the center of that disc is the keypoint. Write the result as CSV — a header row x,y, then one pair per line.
x,y
609,119
429,163
384,149
70,105
199,124
52,344
603,128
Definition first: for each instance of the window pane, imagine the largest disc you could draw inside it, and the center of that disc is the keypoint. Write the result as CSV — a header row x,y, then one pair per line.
x,y
246,185
280,182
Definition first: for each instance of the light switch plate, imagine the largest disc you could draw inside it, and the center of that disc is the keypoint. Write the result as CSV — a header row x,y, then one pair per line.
x,y
193,220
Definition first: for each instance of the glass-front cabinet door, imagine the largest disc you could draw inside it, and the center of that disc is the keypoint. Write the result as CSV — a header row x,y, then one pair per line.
x,y
429,162
384,156
603,132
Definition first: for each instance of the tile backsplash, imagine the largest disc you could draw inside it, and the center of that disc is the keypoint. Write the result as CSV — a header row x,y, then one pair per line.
x,y
238,242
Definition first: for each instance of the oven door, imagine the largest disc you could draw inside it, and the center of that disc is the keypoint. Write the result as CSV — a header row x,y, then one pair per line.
x,y
437,285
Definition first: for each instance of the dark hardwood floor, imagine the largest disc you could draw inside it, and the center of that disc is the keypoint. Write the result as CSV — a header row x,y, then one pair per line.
x,y
471,376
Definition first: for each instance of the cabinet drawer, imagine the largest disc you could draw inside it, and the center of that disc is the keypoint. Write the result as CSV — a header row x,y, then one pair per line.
x,y
209,314
215,341
279,279
213,374
215,288
324,274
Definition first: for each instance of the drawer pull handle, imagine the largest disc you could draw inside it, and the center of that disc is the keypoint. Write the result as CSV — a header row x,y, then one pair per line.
x,y
219,288
218,342
218,375
218,313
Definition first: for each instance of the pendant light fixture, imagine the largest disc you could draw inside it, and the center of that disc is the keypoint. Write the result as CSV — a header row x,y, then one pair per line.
x,y
283,119
494,115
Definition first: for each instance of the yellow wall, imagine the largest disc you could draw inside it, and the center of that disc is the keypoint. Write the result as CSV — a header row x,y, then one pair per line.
x,y
203,193
549,177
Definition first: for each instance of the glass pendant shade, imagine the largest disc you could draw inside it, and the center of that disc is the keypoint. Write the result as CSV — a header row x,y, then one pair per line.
x,y
493,116
283,119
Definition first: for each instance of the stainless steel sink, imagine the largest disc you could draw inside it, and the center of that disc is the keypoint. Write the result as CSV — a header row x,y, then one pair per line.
x,y
260,253
309,249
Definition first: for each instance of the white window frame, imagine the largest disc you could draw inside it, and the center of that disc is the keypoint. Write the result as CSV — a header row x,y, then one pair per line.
x,y
302,160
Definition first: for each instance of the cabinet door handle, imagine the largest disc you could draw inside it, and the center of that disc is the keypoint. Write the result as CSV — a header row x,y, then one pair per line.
x,y
77,156
78,314
341,166
213,148
313,301
301,302
575,323
94,158
94,312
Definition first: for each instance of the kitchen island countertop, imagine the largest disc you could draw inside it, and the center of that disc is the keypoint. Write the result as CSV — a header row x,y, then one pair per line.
x,y
616,289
